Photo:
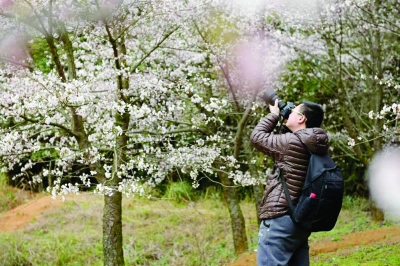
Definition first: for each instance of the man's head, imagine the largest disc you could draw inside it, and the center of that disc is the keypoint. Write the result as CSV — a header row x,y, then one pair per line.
x,y
305,115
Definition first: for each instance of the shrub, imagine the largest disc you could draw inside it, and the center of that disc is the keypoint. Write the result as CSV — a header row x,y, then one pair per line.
x,y
180,191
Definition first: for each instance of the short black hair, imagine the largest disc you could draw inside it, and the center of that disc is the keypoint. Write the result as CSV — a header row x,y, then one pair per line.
x,y
313,112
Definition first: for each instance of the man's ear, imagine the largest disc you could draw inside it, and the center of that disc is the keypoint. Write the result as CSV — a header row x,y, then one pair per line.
x,y
302,119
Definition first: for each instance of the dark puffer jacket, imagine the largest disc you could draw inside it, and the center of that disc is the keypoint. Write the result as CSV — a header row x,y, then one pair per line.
x,y
290,156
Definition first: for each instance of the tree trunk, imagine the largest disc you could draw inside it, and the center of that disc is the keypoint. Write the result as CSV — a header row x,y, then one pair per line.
x,y
258,194
378,57
376,214
230,193
112,230
112,219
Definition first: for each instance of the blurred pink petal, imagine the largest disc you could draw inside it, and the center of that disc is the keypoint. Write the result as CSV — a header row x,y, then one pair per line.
x,y
256,66
6,3
13,48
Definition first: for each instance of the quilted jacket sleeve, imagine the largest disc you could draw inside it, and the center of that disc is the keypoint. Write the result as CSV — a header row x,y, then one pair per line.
x,y
264,140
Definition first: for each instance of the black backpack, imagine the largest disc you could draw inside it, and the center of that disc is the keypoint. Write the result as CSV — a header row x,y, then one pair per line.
x,y
320,203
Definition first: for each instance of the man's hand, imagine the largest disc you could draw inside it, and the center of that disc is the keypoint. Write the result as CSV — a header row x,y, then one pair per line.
x,y
274,108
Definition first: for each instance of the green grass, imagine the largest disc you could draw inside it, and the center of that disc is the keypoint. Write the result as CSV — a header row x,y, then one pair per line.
x,y
156,232
11,197
165,232
180,192
373,255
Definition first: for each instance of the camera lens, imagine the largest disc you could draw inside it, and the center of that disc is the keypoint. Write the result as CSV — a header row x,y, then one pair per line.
x,y
270,96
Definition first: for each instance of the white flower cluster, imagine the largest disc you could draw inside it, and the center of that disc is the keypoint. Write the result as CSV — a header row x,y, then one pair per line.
x,y
215,105
65,189
393,109
130,188
351,142
243,178
104,190
192,159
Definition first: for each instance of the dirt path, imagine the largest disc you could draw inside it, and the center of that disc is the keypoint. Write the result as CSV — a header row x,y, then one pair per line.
x,y
18,217
389,235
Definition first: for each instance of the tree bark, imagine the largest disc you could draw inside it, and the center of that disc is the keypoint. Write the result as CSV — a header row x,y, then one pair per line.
x,y
112,230
376,214
230,193
258,194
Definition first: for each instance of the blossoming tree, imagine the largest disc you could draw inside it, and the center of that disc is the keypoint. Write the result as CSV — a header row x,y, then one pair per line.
x,y
105,102
132,90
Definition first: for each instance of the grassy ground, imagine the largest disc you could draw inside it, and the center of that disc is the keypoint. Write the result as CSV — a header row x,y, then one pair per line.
x,y
11,197
164,232
373,255
354,218
156,232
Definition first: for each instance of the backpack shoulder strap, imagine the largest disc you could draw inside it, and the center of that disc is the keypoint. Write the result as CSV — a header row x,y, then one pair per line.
x,y
285,188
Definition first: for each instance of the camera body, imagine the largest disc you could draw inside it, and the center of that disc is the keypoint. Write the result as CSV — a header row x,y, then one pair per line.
x,y
285,108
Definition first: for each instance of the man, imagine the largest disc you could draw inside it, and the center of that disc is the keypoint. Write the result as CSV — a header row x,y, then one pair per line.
x,y
281,242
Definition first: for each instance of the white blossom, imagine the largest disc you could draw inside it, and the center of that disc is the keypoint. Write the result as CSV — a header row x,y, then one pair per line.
x,y
351,142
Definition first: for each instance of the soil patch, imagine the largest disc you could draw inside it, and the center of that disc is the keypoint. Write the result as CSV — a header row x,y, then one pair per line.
x,y
18,217
388,235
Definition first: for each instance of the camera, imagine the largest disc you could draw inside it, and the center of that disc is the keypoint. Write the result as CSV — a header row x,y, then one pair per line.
x,y
270,96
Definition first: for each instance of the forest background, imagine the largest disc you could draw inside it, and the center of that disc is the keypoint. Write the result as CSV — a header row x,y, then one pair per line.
x,y
129,97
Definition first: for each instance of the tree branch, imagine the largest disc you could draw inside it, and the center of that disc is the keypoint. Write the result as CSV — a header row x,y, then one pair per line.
x,y
14,62
177,131
230,85
69,131
28,23
240,129
224,72
44,31
166,36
